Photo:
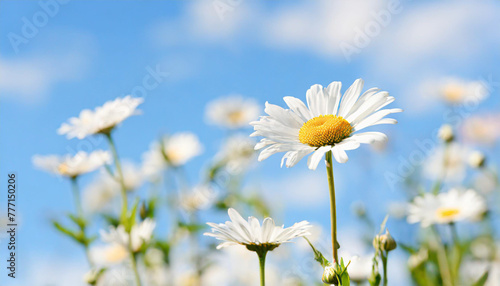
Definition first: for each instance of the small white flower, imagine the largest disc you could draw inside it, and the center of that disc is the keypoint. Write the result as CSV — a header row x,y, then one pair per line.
x,y
483,129
237,153
251,233
199,198
72,166
448,163
457,91
360,268
108,254
449,207
329,122
101,120
140,234
232,112
175,150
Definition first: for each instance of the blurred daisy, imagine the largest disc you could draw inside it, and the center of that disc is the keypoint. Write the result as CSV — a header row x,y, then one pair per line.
x,y
360,268
140,234
251,234
449,207
448,163
456,90
237,153
72,166
330,122
476,159
232,112
483,129
199,198
109,254
102,119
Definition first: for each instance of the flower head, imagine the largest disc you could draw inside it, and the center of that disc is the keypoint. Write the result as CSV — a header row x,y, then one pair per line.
x,y
456,90
237,153
232,112
329,122
72,166
252,235
449,207
101,120
140,234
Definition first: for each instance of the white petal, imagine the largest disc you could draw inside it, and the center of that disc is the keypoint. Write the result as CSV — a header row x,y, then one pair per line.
x,y
316,157
350,97
298,107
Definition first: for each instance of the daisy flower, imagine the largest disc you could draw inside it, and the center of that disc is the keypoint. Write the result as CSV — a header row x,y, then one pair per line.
x,y
483,129
251,234
232,112
449,207
102,119
448,163
140,234
457,91
109,254
255,237
72,166
237,153
199,198
329,122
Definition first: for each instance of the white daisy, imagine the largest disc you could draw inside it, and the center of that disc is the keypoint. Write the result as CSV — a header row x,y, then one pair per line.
x,y
449,207
330,122
199,198
101,120
483,129
251,233
360,268
237,153
232,112
448,163
109,254
140,234
457,91
72,166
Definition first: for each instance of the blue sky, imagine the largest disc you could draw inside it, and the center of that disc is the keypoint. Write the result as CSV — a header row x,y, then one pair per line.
x,y
89,52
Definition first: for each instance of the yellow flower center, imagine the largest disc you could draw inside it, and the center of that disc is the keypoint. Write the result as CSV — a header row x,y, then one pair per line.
x,y
447,213
324,130
453,93
63,169
115,253
235,116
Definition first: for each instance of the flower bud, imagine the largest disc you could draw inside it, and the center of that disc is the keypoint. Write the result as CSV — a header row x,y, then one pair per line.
x,y
477,159
92,276
330,275
446,134
384,242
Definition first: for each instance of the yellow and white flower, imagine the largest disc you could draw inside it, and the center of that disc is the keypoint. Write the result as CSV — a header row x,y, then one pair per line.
x,y
448,163
330,122
232,112
109,254
250,233
101,120
140,234
483,129
457,91
199,198
449,207
72,166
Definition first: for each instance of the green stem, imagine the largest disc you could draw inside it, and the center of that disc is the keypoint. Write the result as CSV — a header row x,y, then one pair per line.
x,y
443,264
384,256
119,172
333,208
79,209
262,263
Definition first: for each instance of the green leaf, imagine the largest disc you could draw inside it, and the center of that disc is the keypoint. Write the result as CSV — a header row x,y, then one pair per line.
x,y
318,256
78,221
482,280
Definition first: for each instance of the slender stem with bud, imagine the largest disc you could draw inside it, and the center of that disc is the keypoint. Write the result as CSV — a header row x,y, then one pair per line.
x,y
333,208
383,256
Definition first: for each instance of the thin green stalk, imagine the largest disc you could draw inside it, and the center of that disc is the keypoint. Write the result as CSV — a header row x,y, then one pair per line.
x,y
384,255
443,263
79,209
262,263
119,171
116,159
333,208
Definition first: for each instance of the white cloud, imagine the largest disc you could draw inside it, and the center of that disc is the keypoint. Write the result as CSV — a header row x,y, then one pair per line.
x,y
31,78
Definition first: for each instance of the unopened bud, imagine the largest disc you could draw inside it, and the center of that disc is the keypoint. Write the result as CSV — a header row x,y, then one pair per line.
x,y
477,159
330,275
143,211
446,134
384,242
